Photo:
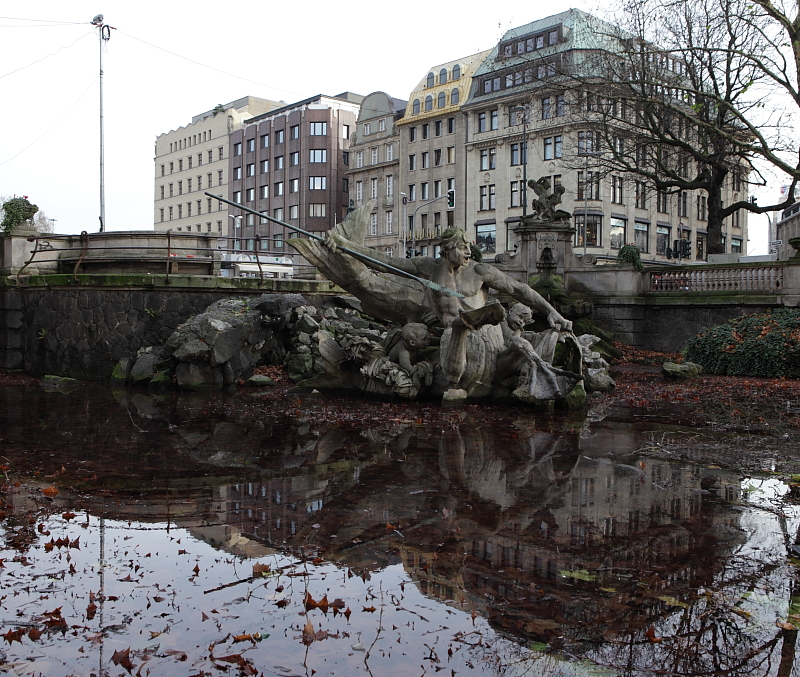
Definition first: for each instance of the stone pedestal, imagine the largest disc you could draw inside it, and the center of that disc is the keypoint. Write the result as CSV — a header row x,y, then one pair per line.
x,y
535,236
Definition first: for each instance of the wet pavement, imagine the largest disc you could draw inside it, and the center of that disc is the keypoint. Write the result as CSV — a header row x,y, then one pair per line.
x,y
267,533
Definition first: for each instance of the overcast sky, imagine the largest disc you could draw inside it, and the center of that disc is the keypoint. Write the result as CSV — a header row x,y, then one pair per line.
x,y
49,87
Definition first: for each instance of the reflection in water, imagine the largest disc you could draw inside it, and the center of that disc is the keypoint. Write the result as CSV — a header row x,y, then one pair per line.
x,y
635,563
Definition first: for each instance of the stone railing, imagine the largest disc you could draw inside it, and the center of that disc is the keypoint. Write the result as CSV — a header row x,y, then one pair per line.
x,y
767,278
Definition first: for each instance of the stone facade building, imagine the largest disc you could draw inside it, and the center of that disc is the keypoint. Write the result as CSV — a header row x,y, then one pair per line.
x,y
375,169
432,161
516,84
291,163
192,159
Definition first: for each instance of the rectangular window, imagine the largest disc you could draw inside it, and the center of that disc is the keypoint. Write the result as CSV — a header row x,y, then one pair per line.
x,y
389,185
162,173
616,190
316,210
345,158
278,188
237,196
548,148
294,185
345,185
237,149
263,192
662,239
617,233
265,166
367,129
265,140
412,192
220,153
374,153
641,195
560,105
412,162
321,129
437,188
586,143
558,146
683,204
424,159
279,162
494,120
389,224
317,182
389,152
482,127
736,245
319,156
294,212
294,132
359,191
451,125
662,202
162,214
279,136
277,213
251,145
381,125
180,187
437,157
251,169
359,159
451,155
641,232
373,188
485,238
220,180
237,174
516,194
702,202
250,194
373,224
592,191
294,159
190,162
425,130
412,134
546,111
437,128
162,192
170,213
588,226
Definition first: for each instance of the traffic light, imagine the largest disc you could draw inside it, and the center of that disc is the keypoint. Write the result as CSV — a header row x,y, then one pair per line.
x,y
409,253
451,198
676,248
686,249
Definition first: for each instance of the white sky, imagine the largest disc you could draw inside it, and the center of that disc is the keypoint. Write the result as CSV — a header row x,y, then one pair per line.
x,y
49,117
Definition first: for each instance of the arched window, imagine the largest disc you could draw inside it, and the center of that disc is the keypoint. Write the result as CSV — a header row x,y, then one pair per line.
x,y
415,107
429,102
441,101
430,82
456,72
442,76
454,96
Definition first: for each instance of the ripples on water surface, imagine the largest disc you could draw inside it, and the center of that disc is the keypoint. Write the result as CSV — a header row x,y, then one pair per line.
x,y
255,534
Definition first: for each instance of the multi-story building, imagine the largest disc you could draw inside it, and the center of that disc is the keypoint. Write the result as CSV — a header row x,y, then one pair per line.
x,y
517,91
291,163
432,159
375,168
192,159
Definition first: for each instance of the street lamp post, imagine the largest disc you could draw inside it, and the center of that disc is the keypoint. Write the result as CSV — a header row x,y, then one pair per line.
x,y
405,222
236,226
520,109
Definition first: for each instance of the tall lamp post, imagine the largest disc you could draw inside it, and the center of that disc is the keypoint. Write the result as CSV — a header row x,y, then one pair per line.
x,y
237,224
105,35
523,110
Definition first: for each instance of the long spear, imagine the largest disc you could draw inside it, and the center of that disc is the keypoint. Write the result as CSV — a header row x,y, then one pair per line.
x,y
397,271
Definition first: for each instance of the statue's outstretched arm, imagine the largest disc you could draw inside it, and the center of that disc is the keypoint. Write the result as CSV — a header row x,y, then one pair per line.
x,y
335,240
498,280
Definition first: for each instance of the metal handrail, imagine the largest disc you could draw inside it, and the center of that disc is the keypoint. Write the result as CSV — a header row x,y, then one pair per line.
x,y
86,241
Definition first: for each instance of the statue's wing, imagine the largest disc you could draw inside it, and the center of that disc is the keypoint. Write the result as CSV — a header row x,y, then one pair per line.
x,y
383,296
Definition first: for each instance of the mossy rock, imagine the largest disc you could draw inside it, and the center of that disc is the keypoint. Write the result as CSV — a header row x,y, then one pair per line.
x,y
605,346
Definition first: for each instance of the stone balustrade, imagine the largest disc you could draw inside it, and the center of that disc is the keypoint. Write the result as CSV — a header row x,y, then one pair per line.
x,y
767,278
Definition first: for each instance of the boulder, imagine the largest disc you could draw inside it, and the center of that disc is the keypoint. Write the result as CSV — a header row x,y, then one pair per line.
x,y
673,370
122,370
198,376
145,368
259,381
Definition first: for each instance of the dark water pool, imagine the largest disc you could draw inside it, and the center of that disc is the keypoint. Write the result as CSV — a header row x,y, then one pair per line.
x,y
271,534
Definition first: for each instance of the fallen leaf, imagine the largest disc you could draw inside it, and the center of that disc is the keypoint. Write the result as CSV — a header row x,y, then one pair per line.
x,y
68,515
12,635
91,609
122,657
50,491
651,634
34,634
370,609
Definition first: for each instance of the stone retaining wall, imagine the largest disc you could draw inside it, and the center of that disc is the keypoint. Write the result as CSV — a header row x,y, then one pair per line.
x,y
80,330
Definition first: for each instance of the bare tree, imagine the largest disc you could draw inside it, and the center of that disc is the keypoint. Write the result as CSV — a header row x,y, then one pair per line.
x,y
694,95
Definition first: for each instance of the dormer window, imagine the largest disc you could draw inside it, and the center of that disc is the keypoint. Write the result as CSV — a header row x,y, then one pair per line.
x,y
443,76
456,72
431,80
